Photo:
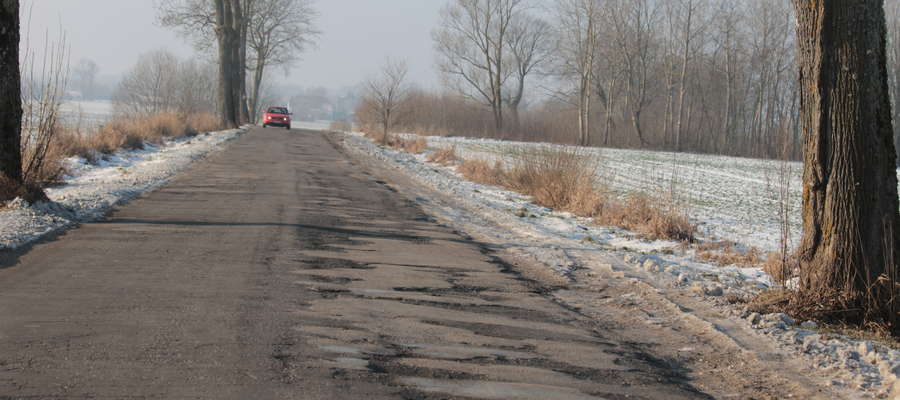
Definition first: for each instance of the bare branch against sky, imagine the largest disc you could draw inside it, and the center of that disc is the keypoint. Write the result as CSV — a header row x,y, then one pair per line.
x,y
356,36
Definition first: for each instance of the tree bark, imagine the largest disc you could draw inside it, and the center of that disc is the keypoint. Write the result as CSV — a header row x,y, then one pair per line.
x,y
257,82
10,95
226,36
242,59
850,206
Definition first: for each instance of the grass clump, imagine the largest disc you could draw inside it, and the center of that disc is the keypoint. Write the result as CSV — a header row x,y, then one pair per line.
x,y
412,146
482,172
444,156
725,253
650,217
119,134
560,179
566,180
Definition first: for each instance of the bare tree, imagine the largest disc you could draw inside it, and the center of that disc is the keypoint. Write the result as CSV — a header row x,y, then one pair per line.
x,y
278,32
10,101
196,87
634,23
150,87
84,75
848,252
387,95
579,32
529,48
221,22
159,82
471,43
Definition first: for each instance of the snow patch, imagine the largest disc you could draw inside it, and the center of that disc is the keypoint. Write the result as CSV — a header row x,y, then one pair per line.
x,y
90,190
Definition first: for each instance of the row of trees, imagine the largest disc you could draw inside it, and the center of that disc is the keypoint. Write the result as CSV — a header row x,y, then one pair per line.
x,y
710,75
249,37
713,76
160,82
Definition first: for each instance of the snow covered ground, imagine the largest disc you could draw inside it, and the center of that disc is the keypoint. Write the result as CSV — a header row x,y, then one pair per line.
x,y
91,190
593,255
86,113
730,198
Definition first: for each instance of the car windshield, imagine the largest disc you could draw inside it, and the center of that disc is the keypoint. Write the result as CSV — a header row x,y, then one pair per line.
x,y
278,110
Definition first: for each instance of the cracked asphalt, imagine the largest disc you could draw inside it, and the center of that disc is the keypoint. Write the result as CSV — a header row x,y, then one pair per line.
x,y
280,268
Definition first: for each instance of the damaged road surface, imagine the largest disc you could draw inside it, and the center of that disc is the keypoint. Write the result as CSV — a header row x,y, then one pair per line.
x,y
280,269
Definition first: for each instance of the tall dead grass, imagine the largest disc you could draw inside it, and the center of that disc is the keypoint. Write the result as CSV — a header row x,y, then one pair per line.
x,y
724,253
411,145
559,179
566,180
133,134
651,217
119,134
444,156
483,172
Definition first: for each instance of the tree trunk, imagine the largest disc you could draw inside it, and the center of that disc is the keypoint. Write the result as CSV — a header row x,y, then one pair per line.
x,y
238,77
226,35
850,207
10,96
257,82
245,115
682,85
609,104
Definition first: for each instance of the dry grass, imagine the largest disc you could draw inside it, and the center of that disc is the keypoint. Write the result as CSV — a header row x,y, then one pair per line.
x,y
780,267
340,126
559,179
127,134
775,300
444,156
724,253
565,180
412,146
203,122
482,172
650,217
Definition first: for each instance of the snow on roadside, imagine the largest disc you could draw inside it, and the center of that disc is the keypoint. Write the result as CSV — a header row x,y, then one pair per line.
x,y
567,243
91,190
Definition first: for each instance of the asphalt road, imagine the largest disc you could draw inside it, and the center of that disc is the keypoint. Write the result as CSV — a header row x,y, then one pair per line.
x,y
281,269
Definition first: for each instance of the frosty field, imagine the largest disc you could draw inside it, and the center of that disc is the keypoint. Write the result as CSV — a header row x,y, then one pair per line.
x,y
85,113
730,198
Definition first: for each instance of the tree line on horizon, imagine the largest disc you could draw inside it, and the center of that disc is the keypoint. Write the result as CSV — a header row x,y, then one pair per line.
x,y
705,76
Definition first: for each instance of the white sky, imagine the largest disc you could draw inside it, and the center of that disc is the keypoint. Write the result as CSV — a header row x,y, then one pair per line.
x,y
357,35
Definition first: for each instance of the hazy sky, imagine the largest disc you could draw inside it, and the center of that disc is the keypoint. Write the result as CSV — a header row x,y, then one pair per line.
x,y
356,37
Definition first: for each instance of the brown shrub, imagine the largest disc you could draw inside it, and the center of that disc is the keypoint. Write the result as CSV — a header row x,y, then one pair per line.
x,y
724,253
481,171
412,146
203,122
558,179
780,267
566,180
128,134
444,156
168,124
649,217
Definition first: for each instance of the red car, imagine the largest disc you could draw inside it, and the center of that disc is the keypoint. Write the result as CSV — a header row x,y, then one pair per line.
x,y
277,116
